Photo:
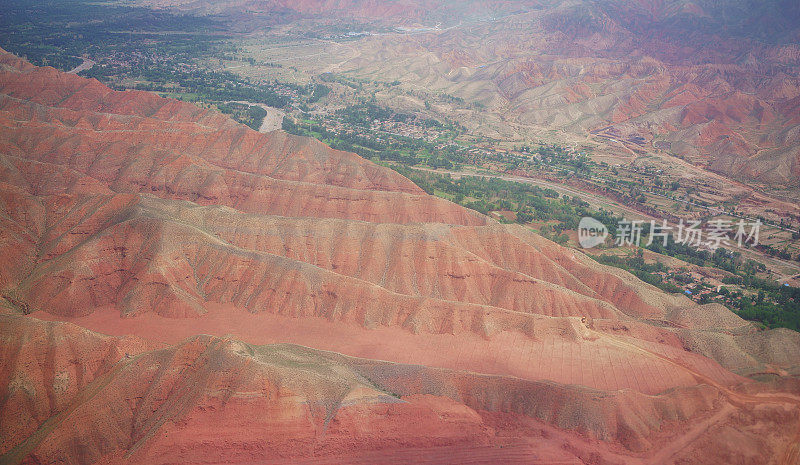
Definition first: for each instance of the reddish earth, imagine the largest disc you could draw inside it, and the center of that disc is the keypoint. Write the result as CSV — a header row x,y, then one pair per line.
x,y
176,288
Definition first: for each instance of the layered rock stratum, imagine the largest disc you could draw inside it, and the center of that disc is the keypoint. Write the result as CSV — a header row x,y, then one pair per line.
x,y
177,288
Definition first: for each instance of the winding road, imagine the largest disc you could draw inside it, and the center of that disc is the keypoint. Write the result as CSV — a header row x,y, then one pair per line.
x,y
272,121
86,64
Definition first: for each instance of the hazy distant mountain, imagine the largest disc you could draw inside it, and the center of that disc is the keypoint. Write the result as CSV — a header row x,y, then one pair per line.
x,y
714,82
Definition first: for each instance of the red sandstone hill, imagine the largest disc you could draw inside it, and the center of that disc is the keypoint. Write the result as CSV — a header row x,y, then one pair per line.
x,y
80,397
152,221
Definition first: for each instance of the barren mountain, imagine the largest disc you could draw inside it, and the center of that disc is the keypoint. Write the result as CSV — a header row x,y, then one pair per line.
x,y
721,95
346,315
427,12
713,82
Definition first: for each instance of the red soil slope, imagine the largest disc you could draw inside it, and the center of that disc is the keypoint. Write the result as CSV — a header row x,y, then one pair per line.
x,y
153,221
81,397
